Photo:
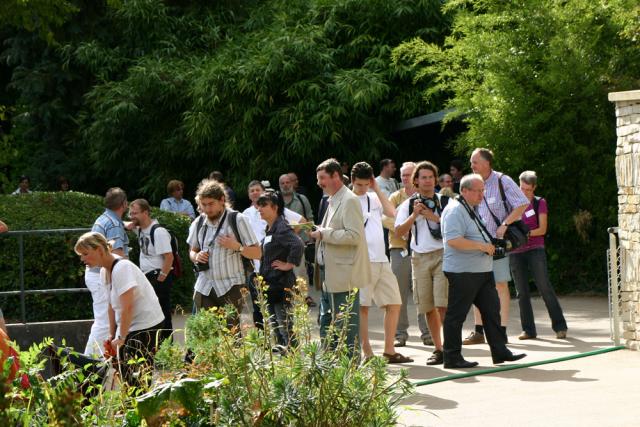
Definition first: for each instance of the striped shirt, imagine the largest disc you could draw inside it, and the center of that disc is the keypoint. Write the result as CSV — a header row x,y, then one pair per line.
x,y
225,265
493,200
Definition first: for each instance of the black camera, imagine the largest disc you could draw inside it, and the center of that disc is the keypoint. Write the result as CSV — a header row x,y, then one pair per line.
x,y
427,202
502,247
202,266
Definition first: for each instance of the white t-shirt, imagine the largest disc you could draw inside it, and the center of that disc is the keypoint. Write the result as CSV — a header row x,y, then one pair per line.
x,y
146,308
372,212
426,243
388,185
151,253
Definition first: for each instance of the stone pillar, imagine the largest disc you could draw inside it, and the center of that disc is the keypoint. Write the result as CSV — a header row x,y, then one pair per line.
x,y
628,178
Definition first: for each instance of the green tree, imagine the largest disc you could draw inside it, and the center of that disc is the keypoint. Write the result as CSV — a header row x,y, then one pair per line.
x,y
530,79
142,91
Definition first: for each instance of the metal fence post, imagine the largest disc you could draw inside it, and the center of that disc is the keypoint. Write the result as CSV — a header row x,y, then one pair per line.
x,y
614,284
23,310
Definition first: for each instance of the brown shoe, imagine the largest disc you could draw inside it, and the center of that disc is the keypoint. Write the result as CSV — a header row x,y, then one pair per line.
x,y
526,336
474,338
561,335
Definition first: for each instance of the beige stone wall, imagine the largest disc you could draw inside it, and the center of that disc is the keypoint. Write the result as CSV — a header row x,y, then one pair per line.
x,y
628,177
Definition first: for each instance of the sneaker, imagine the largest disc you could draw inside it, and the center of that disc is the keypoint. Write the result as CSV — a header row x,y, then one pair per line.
x,y
400,342
427,341
525,336
561,335
474,338
436,358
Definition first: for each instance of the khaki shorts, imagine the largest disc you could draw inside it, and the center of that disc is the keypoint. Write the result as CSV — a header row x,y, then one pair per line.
x,y
383,289
430,286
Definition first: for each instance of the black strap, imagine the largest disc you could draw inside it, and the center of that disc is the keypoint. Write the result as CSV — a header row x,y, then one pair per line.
x,y
304,209
438,210
368,209
481,228
215,236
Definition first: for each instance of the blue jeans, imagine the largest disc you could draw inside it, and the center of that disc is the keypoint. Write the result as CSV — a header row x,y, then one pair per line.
x,y
534,261
330,311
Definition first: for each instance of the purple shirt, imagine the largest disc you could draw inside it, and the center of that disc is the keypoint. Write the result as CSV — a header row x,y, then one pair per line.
x,y
493,198
529,218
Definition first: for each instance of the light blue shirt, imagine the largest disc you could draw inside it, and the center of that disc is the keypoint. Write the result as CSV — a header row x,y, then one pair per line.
x,y
183,206
110,225
456,222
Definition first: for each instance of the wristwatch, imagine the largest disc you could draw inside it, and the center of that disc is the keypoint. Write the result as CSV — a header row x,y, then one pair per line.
x,y
505,224
241,248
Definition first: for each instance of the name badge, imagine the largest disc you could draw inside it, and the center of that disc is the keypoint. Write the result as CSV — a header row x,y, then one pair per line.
x,y
404,253
529,213
491,200
267,239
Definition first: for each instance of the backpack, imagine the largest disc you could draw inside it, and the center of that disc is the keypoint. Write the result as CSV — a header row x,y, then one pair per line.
x,y
233,223
177,261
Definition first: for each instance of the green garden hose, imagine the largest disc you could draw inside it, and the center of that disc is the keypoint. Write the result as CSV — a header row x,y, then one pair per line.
x,y
516,366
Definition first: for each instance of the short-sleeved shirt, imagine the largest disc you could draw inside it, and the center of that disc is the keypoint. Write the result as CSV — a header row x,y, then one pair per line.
x,y
225,265
171,204
456,223
388,185
372,213
300,204
110,225
515,197
425,242
151,253
146,308
529,218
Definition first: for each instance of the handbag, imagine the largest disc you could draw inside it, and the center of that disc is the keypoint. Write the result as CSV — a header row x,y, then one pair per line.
x,y
517,234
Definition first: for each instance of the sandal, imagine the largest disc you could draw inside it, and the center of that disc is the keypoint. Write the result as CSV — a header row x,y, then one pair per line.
x,y
397,358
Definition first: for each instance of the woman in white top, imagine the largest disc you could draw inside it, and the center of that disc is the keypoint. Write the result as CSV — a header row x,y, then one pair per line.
x,y
135,315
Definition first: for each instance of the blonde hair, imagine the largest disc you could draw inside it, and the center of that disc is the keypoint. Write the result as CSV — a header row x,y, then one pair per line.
x,y
92,240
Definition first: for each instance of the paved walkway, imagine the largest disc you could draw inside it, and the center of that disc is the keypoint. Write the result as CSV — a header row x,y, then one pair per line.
x,y
599,390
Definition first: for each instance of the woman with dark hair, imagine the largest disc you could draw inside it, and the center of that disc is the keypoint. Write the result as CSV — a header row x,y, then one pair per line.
x,y
135,315
282,250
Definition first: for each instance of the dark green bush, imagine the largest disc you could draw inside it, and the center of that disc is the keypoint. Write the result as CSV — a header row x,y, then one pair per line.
x,y
50,261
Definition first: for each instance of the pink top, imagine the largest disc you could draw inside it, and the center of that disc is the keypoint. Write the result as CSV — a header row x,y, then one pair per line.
x,y
529,218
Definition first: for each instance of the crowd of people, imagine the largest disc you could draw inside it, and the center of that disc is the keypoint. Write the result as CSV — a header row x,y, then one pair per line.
x,y
446,240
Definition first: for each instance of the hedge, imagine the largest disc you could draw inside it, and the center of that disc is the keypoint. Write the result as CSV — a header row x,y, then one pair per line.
x,y
50,261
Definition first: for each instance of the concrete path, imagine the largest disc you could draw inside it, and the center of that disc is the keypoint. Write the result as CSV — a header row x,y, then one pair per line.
x,y
600,390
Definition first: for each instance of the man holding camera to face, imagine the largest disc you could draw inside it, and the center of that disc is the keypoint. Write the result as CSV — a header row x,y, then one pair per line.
x,y
468,264
419,218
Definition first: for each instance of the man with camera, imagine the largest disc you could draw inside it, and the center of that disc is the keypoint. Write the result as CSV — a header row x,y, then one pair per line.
x,y
502,205
217,252
468,264
419,217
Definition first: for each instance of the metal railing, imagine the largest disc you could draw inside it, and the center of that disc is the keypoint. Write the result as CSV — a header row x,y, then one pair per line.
x,y
614,270
20,234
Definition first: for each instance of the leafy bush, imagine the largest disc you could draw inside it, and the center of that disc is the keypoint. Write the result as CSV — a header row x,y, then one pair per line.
x,y
49,259
234,379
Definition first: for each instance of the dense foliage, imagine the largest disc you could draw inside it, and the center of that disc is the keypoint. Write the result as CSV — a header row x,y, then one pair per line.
x,y
233,380
133,93
51,263
530,79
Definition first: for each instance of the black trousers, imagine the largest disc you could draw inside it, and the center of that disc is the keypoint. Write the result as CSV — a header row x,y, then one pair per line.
x,y
478,289
140,346
163,292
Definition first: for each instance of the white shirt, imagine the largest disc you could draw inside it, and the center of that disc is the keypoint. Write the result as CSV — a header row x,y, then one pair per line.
x,y
146,308
426,243
372,213
151,253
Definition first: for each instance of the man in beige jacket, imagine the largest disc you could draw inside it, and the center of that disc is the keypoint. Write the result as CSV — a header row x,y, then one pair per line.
x,y
342,260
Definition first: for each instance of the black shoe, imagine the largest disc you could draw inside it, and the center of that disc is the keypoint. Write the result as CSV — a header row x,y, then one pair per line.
x,y
511,358
460,364
437,358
